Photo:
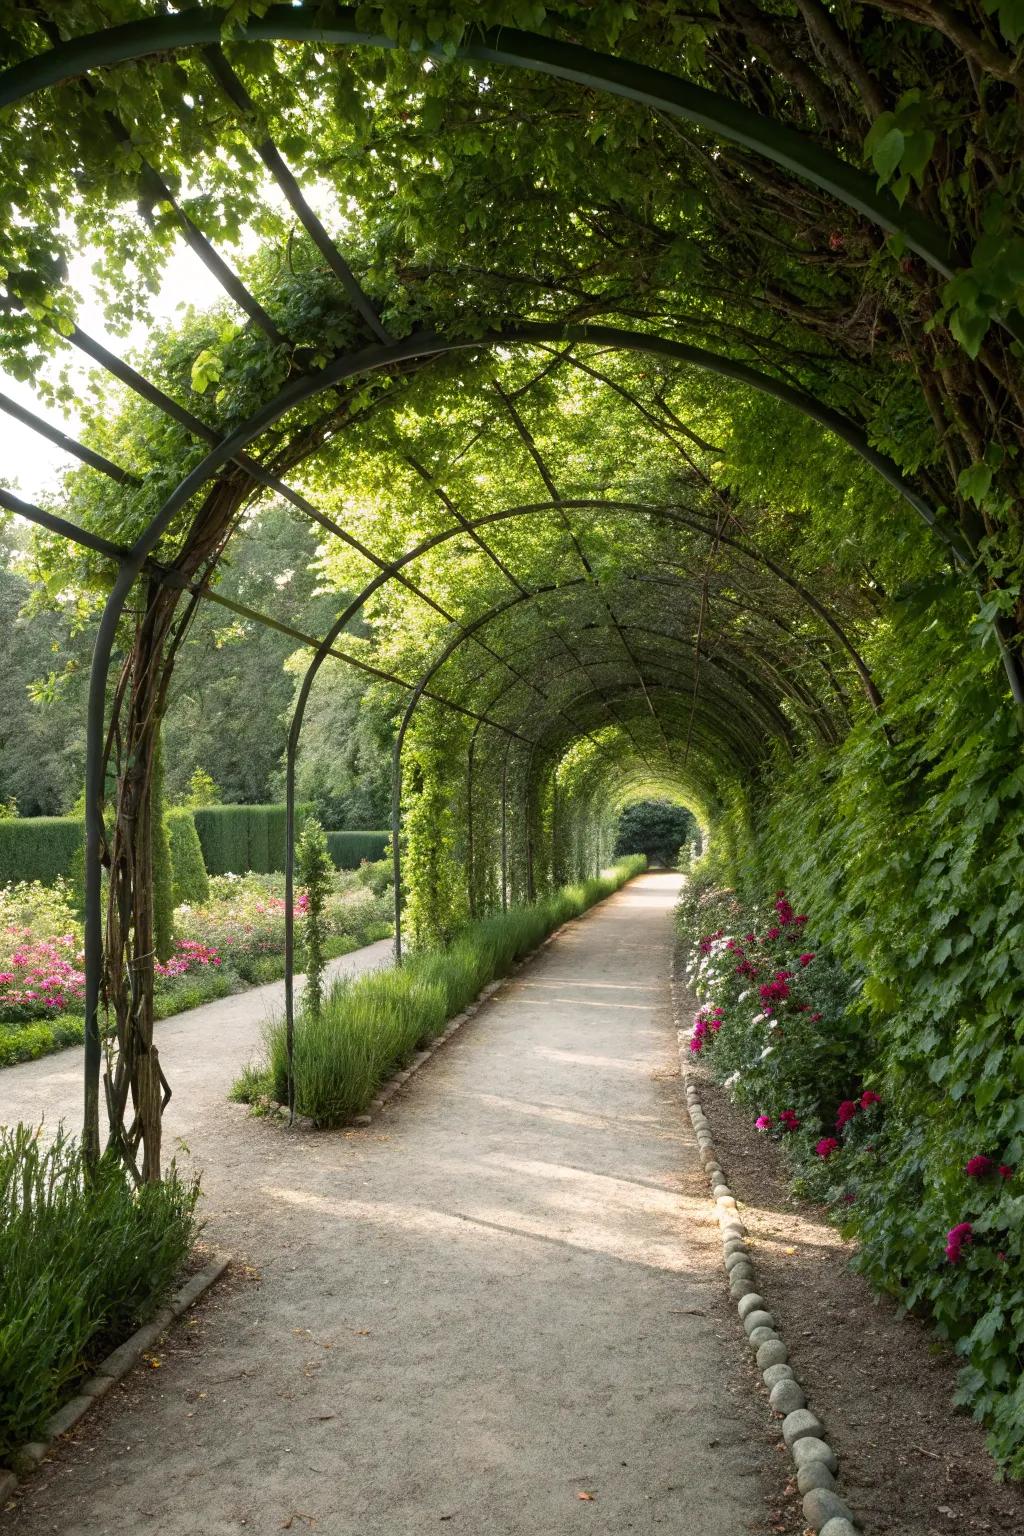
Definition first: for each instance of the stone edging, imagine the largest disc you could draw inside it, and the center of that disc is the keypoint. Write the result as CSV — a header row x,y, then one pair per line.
x,y
816,1463
113,1369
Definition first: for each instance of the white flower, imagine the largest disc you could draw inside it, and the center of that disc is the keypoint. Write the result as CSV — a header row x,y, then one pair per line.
x,y
731,1080
743,996
759,1018
767,1051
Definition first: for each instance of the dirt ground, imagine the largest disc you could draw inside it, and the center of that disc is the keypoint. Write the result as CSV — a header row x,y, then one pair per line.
x,y
499,1308
878,1379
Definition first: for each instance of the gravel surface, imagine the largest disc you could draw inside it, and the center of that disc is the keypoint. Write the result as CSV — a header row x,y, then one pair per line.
x,y
500,1307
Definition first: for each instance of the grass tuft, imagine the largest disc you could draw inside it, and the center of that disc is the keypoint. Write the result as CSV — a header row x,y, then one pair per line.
x,y
83,1265
370,1027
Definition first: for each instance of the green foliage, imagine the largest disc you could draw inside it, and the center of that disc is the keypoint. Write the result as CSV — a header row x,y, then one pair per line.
x,y
350,849
315,870
239,838
908,857
190,885
83,1265
202,791
43,848
657,828
370,1027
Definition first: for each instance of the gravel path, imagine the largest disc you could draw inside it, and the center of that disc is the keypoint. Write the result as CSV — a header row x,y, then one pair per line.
x,y
201,1053
500,1297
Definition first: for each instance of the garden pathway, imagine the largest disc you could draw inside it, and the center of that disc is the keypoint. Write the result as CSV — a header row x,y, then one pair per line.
x,y
496,1308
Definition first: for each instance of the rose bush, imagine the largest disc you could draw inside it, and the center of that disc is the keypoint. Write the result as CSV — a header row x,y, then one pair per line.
x,y
938,1220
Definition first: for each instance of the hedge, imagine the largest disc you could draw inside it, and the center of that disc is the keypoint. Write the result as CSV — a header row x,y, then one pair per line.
x,y
349,849
237,838
188,870
40,848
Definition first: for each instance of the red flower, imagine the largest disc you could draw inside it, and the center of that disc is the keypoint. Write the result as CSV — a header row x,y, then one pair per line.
x,y
826,1146
956,1238
847,1110
805,960
978,1166
1005,1171
868,1098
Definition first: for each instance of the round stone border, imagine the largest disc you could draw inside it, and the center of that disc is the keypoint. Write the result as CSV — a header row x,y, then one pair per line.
x,y
816,1463
113,1369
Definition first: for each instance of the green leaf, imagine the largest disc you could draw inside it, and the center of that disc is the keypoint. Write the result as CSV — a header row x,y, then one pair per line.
x,y
974,483
888,152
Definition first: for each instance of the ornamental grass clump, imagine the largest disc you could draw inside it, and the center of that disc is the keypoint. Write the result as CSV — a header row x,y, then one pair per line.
x,y
367,1029
82,1264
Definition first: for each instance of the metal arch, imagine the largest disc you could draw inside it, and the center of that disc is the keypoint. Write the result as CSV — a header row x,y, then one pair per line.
x,y
467,632
736,653
299,390
508,47
426,344
771,719
737,657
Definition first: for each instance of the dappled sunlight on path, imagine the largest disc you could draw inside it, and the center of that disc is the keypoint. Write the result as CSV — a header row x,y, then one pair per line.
x,y
497,1297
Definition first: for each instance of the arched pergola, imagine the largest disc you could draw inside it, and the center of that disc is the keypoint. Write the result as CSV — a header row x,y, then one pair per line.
x,y
557,688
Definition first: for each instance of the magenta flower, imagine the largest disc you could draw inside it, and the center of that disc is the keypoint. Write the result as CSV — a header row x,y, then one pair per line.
x,y
979,1166
868,1098
788,1120
956,1239
846,1112
826,1146
1005,1171
764,1122
806,959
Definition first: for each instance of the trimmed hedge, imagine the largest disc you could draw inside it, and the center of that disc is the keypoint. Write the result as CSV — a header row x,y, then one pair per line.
x,y
40,848
188,871
239,838
350,849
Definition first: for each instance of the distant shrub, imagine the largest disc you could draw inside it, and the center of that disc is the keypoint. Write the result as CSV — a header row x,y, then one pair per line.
x,y
350,849
238,838
189,882
44,848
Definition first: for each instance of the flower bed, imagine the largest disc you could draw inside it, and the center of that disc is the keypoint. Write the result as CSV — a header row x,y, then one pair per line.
x,y
234,940
938,1219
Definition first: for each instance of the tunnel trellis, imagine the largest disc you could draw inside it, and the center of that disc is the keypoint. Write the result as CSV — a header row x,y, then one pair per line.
x,y
720,681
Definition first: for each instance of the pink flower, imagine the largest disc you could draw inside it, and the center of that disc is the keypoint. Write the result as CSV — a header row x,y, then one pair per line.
x,y
788,1120
800,918
773,933
806,959
868,1098
978,1166
764,1122
956,1238
847,1110
1005,1171
826,1146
